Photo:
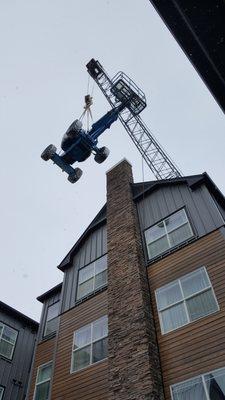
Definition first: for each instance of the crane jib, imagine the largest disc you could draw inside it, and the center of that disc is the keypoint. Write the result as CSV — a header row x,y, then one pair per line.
x,y
121,89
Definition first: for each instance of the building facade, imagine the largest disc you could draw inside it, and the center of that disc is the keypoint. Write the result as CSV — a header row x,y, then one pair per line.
x,y
141,310
17,342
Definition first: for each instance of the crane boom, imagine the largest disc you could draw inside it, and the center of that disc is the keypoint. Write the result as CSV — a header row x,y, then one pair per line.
x,y
156,158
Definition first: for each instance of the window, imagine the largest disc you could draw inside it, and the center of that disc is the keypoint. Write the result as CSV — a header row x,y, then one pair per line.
x,y
42,388
92,277
8,338
168,233
185,300
210,386
1,392
52,319
90,344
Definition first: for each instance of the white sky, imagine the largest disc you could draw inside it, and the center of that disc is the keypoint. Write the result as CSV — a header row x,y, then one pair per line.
x,y
44,47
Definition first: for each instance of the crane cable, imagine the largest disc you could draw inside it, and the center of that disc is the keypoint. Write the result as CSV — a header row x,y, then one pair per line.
x,y
88,99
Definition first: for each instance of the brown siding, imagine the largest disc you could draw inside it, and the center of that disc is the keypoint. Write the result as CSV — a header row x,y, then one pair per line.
x,y
91,382
44,354
199,346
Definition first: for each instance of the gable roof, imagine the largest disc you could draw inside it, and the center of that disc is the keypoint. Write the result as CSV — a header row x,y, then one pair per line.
x,y
18,315
193,181
98,221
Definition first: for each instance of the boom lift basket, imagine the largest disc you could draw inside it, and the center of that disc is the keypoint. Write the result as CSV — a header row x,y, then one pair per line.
x,y
125,91
94,68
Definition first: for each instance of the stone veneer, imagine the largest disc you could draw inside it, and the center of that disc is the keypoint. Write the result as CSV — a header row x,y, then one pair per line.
x,y
134,367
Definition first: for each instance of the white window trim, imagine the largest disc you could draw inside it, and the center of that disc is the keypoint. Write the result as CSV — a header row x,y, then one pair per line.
x,y
7,341
2,390
87,344
166,233
195,377
93,277
46,380
46,320
183,300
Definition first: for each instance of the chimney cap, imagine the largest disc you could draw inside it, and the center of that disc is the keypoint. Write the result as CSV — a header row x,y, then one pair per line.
x,y
120,162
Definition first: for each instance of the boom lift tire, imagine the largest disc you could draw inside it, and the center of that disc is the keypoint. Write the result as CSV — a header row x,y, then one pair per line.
x,y
73,177
48,152
101,156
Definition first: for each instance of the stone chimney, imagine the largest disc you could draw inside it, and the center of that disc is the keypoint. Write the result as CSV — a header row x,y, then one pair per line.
x,y
133,358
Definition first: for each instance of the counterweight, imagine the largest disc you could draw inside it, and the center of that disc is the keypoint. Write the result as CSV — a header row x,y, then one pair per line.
x,y
156,158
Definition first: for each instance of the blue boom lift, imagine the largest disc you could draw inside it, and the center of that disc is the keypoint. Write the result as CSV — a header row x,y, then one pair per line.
x,y
78,144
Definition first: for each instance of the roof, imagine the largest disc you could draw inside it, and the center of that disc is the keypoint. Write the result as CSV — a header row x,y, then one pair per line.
x,y
99,220
18,315
193,181
50,293
199,29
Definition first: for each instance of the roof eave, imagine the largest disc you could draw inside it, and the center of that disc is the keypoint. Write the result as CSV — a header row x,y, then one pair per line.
x,y
50,293
17,314
66,262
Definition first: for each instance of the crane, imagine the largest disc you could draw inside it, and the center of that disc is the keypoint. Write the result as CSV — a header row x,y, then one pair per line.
x,y
127,101
116,90
78,144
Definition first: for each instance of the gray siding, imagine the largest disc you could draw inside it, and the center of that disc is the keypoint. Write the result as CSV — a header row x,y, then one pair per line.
x,y
200,205
17,370
93,247
51,300
221,209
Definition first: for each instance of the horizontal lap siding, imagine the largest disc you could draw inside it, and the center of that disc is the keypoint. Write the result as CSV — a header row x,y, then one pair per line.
x,y
89,383
44,354
199,346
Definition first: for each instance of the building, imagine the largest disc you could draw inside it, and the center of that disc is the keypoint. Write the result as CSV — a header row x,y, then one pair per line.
x,y
17,342
199,29
146,277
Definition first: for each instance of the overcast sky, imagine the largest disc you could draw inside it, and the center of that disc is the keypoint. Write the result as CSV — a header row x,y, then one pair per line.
x,y
44,47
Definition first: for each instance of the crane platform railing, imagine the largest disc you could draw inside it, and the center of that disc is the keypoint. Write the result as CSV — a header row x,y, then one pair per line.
x,y
118,89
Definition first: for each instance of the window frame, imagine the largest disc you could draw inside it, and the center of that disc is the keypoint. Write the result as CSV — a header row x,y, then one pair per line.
x,y
195,377
38,383
78,299
45,336
184,299
14,345
171,248
87,344
3,391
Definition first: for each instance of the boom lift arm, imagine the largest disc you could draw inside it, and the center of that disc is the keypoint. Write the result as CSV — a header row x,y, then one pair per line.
x,y
116,90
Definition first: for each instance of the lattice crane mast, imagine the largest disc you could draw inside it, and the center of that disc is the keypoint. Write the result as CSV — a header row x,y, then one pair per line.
x,y
116,91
